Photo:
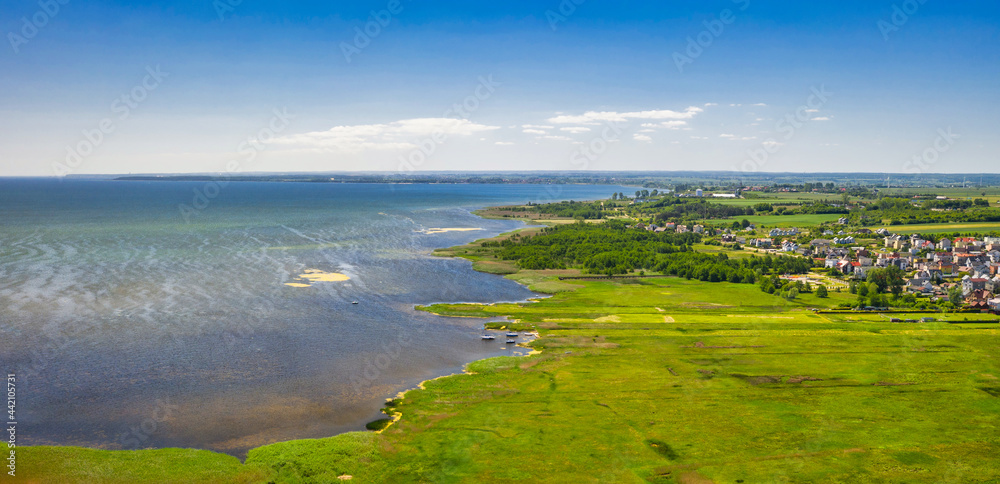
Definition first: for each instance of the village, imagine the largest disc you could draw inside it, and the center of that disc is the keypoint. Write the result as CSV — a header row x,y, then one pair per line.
x,y
935,267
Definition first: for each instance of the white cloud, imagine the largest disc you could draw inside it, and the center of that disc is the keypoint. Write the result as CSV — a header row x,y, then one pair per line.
x,y
556,138
812,110
503,143
647,130
675,124
595,117
398,135
699,137
536,126
575,130
711,104
642,137
727,135
821,118
760,104
535,131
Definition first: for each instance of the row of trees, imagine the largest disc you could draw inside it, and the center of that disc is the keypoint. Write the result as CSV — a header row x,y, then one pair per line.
x,y
672,209
790,289
720,268
613,248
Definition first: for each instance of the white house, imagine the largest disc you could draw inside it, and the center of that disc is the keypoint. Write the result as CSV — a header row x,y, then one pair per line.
x,y
784,232
894,242
860,271
970,284
789,246
944,244
994,285
843,240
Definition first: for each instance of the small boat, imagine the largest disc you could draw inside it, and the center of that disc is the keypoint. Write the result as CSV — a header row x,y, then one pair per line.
x,y
354,302
512,335
510,341
489,337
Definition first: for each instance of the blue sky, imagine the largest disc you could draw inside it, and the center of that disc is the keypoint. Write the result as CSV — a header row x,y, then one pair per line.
x,y
577,84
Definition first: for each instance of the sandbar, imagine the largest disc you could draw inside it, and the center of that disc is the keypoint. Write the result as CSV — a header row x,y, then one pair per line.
x,y
446,230
316,275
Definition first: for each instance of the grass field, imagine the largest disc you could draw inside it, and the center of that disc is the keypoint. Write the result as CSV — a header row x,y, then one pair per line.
x,y
964,227
992,193
653,381
778,199
772,221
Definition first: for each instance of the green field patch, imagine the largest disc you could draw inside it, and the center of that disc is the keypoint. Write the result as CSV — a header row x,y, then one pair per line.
x,y
967,227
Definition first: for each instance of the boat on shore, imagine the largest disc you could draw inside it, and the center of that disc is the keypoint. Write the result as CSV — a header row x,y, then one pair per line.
x,y
489,337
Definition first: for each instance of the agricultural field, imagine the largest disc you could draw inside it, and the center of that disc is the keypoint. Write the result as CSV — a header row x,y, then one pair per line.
x,y
771,221
962,227
779,198
991,193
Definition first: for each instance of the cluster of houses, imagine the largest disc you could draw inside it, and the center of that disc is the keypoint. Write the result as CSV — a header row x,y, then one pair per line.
x,y
680,229
785,245
931,264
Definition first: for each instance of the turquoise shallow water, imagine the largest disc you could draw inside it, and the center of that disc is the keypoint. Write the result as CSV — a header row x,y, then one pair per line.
x,y
132,323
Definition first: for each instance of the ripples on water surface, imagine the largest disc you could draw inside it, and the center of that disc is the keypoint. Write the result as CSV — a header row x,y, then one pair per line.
x,y
129,327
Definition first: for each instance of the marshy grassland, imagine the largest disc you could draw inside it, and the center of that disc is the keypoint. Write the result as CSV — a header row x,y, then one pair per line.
x,y
658,380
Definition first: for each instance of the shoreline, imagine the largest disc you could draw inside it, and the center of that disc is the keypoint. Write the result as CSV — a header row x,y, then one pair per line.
x,y
393,416
396,416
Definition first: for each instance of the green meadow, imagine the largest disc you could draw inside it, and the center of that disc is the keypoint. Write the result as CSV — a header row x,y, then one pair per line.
x,y
771,221
961,227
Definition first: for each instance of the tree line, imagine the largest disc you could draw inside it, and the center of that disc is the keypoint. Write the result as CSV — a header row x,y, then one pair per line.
x,y
613,248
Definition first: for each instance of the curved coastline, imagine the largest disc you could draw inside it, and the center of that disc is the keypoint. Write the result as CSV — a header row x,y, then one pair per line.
x,y
394,415
69,452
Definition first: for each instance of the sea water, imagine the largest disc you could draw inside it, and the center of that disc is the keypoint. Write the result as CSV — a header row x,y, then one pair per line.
x,y
156,314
